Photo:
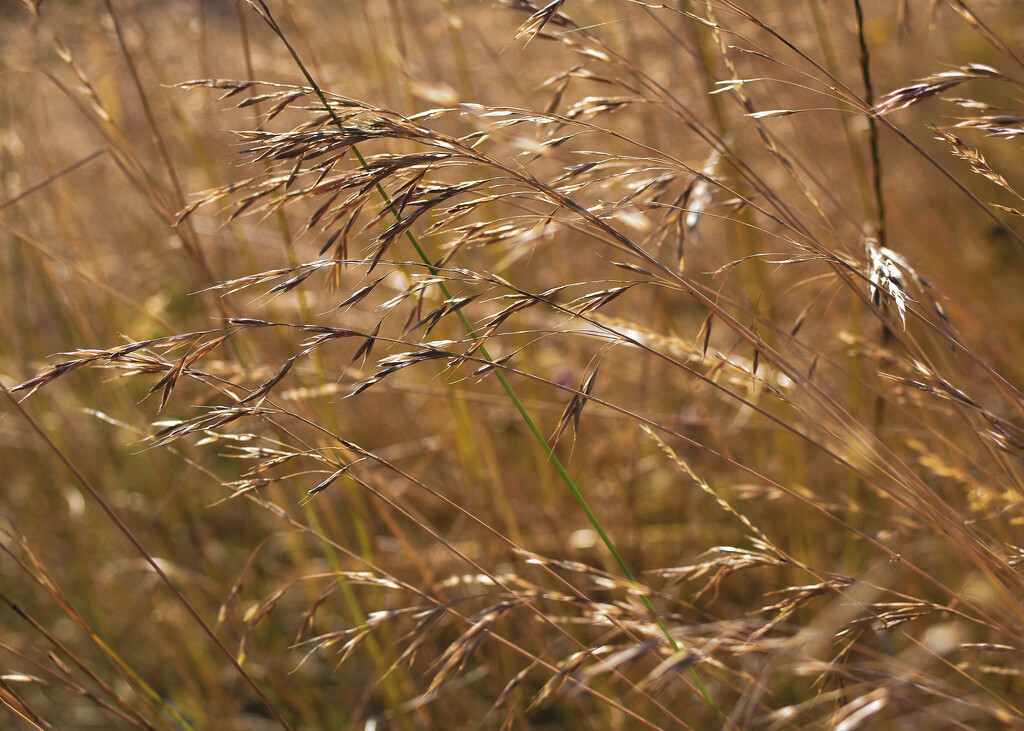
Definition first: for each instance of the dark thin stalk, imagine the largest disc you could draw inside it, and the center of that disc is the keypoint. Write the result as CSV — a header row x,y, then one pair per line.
x,y
869,98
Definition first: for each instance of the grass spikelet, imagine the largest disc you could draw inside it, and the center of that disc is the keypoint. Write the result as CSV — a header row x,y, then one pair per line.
x,y
933,85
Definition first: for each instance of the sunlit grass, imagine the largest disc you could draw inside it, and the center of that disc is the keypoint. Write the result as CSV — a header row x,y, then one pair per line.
x,y
763,324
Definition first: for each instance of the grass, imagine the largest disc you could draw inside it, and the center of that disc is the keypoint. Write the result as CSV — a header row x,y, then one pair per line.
x,y
451,365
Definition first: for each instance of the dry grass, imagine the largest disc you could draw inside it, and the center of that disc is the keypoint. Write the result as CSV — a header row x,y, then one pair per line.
x,y
590,364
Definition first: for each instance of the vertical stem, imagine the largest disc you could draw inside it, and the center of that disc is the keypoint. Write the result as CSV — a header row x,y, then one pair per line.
x,y
869,97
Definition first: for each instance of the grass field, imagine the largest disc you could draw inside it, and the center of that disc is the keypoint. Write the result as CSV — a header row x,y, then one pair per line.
x,y
453,364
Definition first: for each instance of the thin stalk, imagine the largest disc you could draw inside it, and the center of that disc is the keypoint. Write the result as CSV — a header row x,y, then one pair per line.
x,y
869,98
866,501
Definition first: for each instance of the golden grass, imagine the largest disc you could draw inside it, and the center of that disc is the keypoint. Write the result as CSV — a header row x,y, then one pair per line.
x,y
310,389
